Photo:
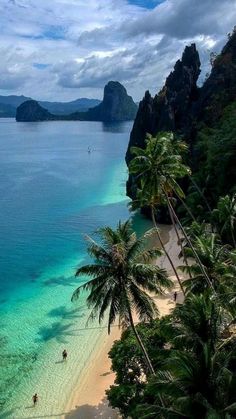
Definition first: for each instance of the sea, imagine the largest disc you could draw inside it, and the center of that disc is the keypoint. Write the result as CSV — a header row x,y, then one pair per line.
x,y
59,181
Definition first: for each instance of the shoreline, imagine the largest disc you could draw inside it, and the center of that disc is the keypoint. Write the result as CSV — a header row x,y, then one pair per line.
x,y
76,388
88,400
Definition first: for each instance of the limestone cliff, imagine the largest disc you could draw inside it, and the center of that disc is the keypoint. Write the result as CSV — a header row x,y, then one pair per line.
x,y
116,105
184,108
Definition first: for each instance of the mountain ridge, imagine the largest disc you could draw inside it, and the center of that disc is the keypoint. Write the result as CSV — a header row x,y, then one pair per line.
x,y
8,105
116,106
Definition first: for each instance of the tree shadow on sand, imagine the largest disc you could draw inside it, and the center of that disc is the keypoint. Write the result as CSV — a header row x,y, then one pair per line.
x,y
86,411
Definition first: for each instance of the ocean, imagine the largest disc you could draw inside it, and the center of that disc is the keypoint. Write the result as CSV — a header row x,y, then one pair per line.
x,y
53,192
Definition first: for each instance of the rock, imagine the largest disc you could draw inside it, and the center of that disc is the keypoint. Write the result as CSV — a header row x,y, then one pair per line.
x,y
220,88
184,108
31,111
116,106
170,108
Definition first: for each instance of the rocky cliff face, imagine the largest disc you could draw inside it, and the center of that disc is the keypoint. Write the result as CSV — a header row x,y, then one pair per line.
x,y
170,110
31,111
116,106
181,106
219,90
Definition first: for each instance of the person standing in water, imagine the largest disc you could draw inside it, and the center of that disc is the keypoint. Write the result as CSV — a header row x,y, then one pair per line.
x,y
175,296
64,355
35,399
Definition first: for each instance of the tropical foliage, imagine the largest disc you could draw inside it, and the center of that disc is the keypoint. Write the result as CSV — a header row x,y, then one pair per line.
x,y
196,367
182,365
215,159
122,279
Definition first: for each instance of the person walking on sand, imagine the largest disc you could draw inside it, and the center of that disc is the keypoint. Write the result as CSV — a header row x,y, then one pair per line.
x,y
64,355
35,399
175,296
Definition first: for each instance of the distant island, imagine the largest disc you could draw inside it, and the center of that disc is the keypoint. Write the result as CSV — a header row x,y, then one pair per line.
x,y
9,104
116,106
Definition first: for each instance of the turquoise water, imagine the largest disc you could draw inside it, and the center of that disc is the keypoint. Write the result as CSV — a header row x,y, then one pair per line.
x,y
52,192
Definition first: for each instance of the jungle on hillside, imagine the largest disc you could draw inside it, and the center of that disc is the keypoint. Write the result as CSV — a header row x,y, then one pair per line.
x,y
181,159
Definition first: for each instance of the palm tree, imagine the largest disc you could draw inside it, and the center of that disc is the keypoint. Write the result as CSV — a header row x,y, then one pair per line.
x,y
157,168
197,322
216,259
145,165
224,218
198,378
193,386
200,192
122,279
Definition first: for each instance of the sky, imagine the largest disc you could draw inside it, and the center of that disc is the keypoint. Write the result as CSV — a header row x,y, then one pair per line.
x,y
66,49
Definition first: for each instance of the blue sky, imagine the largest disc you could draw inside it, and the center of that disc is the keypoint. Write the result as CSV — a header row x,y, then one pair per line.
x,y
148,4
65,49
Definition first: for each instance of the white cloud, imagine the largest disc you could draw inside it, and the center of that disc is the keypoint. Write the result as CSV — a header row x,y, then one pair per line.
x,y
81,45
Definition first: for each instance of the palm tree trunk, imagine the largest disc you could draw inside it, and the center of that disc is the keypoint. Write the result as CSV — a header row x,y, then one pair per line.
x,y
187,209
180,243
204,199
165,251
200,192
139,340
190,243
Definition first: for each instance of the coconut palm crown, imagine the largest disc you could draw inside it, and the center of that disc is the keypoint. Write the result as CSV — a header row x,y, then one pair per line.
x,y
122,278
158,166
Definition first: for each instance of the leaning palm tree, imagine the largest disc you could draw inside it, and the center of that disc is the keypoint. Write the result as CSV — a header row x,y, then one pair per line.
x,y
193,386
122,279
198,321
217,261
157,169
146,166
197,379
224,218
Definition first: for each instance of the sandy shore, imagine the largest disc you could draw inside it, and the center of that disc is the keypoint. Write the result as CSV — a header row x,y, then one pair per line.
x,y
89,400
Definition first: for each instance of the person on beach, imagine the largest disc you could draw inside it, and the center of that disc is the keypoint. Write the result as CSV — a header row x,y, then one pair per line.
x,y
175,296
35,399
64,355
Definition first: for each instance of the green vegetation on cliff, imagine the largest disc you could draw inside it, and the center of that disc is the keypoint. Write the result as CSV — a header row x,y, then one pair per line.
x,y
204,117
216,155
182,365
191,351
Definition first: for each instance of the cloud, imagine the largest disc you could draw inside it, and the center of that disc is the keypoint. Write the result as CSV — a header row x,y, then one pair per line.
x,y
96,70
183,19
13,70
64,49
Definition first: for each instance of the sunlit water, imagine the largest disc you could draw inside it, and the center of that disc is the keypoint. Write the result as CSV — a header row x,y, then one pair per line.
x,y
52,191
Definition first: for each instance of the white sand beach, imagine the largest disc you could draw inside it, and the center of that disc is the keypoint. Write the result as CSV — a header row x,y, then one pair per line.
x,y
76,388
89,400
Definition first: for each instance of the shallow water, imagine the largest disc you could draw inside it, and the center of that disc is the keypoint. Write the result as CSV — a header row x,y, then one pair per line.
x,y
52,192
